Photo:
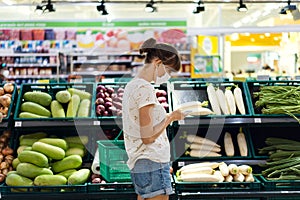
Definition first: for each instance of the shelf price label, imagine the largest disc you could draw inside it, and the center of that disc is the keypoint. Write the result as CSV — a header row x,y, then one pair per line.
x,y
18,124
257,120
180,164
96,123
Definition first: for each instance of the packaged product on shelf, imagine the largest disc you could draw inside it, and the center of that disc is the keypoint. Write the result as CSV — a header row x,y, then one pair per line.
x,y
26,34
38,34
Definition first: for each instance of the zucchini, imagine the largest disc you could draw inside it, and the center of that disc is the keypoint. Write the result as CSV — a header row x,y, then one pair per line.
x,y
70,162
84,108
31,171
73,106
18,180
41,98
37,135
30,115
75,151
33,157
67,172
55,142
49,150
79,177
57,110
82,94
63,96
35,109
50,180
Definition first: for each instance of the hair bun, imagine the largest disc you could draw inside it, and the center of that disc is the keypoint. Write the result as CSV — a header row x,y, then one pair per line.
x,y
147,45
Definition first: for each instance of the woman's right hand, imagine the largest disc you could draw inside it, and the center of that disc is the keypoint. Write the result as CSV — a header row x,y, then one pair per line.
x,y
177,115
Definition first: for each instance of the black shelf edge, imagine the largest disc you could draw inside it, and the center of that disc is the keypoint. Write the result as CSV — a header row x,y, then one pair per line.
x,y
55,123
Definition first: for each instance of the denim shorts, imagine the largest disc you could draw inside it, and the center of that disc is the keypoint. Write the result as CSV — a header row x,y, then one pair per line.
x,y
151,179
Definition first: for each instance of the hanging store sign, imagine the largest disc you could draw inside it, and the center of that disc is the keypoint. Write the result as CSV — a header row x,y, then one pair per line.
x,y
92,24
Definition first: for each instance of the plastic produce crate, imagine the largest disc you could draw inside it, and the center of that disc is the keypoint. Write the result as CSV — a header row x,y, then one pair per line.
x,y
254,86
5,189
52,89
112,159
216,186
259,134
180,147
272,185
111,187
109,98
183,92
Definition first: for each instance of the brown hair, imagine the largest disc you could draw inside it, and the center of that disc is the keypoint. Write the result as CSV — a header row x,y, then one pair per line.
x,y
165,52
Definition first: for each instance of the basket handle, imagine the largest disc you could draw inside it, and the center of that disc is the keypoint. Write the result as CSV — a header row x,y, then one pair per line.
x,y
120,133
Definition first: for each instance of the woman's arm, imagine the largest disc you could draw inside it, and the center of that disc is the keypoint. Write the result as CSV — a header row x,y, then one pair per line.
x,y
149,133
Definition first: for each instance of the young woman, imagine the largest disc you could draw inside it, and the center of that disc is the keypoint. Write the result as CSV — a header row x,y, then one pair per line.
x,y
145,122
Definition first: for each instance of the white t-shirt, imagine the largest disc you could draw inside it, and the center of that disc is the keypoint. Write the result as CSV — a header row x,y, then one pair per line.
x,y
138,93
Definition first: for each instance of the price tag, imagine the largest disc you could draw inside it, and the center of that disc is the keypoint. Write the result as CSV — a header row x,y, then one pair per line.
x,y
181,122
257,120
18,124
180,164
96,123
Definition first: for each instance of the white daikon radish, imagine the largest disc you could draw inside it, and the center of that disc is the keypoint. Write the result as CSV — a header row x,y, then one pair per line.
x,y
201,140
219,174
249,178
222,101
233,169
238,96
198,178
204,147
223,167
213,100
242,143
229,178
200,153
230,100
213,165
228,144
245,169
198,170
239,177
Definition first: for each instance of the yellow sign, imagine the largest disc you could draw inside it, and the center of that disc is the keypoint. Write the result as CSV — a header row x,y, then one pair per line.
x,y
208,45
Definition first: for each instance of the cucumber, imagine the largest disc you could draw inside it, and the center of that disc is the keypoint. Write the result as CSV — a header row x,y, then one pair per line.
x,y
73,106
76,145
70,162
75,151
11,172
31,171
37,135
41,98
18,180
35,109
21,148
55,142
30,115
84,108
50,180
49,150
28,142
63,96
57,110
79,177
67,172
83,139
82,94
15,163
34,157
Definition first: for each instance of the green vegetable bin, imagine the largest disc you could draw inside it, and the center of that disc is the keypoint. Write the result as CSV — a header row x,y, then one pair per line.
x,y
52,89
112,159
272,185
254,86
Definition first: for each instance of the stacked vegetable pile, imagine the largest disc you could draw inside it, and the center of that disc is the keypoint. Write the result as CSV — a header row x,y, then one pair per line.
x,y
45,161
203,147
278,100
226,102
284,159
68,103
215,172
6,98
109,100
6,155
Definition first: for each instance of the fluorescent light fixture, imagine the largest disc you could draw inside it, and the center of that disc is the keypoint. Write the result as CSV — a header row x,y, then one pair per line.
x,y
242,7
150,8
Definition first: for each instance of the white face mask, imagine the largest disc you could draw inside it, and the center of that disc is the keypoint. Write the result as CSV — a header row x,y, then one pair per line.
x,y
162,79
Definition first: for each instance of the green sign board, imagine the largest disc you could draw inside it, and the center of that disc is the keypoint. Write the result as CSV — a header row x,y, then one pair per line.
x,y
91,24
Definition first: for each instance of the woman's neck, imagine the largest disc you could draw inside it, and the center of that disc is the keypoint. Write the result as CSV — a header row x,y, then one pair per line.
x,y
146,73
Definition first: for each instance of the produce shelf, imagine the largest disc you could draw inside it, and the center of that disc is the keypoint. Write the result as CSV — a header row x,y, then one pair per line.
x,y
271,185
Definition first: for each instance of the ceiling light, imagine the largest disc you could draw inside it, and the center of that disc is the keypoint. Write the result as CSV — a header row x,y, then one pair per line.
x,y
288,8
49,7
200,7
242,7
150,7
102,9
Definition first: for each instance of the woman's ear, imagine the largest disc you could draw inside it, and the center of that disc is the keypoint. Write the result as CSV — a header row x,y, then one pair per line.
x,y
157,62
